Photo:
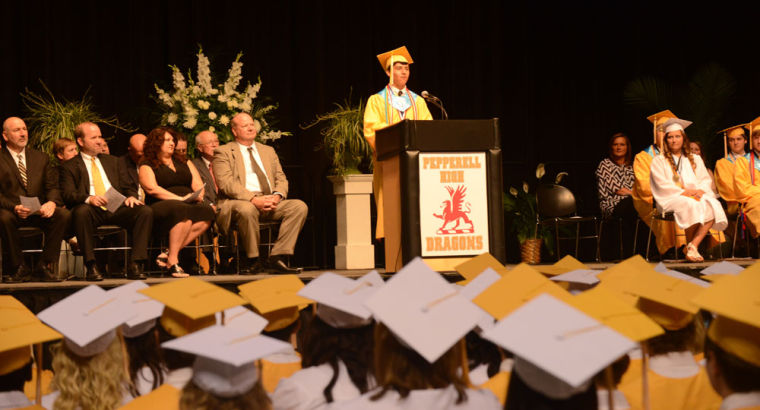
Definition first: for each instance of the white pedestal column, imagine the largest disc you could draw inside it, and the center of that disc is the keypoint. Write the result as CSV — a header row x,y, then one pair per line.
x,y
352,196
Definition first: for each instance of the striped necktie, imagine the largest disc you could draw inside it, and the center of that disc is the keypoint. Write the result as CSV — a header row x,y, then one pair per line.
x,y
22,169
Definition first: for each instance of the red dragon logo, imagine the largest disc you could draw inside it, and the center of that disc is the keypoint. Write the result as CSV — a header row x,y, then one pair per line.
x,y
451,211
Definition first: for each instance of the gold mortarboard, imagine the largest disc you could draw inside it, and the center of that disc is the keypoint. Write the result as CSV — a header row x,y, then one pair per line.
x,y
276,299
608,308
389,58
736,301
618,277
515,288
658,119
564,265
665,299
475,266
190,304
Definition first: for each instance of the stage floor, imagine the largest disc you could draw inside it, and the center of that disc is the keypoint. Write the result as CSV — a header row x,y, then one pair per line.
x,y
229,281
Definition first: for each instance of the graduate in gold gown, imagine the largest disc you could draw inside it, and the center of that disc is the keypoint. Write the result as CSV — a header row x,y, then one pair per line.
x,y
747,179
392,104
734,140
642,191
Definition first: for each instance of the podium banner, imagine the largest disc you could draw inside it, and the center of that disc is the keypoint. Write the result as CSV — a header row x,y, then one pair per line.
x,y
453,204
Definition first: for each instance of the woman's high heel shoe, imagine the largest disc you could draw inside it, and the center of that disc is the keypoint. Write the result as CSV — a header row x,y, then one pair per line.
x,y
692,254
163,259
176,271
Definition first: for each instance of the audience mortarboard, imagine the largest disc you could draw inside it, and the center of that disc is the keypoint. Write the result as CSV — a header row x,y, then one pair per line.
x,y
474,266
608,308
423,310
87,319
225,364
340,300
518,286
145,309
561,356
665,299
736,301
564,265
242,318
276,299
660,267
19,329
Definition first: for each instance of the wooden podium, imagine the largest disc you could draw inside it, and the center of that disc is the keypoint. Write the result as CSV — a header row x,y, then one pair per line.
x,y
442,190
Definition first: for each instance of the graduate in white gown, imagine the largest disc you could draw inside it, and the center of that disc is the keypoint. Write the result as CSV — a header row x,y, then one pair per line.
x,y
680,184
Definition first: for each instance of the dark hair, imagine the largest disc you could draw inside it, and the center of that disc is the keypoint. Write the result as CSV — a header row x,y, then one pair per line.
x,y
401,369
144,351
687,338
521,397
481,351
628,154
738,375
174,359
15,380
619,367
193,397
326,344
153,143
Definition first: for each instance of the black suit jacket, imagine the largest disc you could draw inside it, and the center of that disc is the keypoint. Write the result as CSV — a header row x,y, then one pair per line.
x,y
209,196
125,161
40,176
75,181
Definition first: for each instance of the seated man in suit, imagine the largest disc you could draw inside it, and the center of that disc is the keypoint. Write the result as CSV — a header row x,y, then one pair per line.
x,y
27,172
252,186
206,142
131,161
84,181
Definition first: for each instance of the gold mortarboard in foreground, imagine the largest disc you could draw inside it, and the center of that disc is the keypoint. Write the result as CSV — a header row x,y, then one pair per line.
x,y
475,266
665,299
608,308
276,299
564,265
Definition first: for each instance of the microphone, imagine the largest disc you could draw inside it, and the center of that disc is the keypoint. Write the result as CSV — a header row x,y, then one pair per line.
x,y
435,101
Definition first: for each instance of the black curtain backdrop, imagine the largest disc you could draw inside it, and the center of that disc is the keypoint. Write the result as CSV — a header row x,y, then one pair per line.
x,y
553,73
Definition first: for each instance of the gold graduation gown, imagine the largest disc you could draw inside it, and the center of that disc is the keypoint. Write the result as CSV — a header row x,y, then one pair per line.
x,y
748,193
724,181
642,201
665,393
378,115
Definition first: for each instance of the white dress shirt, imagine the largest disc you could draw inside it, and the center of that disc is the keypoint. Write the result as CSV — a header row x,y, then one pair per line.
x,y
251,179
88,163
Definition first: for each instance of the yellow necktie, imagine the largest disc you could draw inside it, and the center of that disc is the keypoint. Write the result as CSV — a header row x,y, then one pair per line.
x,y
97,181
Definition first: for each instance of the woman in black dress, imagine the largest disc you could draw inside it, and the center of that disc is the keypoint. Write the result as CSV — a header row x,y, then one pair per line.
x,y
169,180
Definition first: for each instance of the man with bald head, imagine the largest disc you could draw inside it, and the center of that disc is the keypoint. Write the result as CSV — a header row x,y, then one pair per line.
x,y
84,181
27,172
131,162
253,187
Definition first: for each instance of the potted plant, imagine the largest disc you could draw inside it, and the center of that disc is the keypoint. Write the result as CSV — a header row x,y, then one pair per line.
x,y
343,137
50,120
521,216
343,140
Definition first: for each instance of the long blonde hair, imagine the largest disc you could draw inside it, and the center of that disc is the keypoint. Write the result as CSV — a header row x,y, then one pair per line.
x,y
685,151
95,382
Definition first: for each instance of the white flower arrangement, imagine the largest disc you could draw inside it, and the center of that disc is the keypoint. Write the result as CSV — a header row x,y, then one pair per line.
x,y
195,106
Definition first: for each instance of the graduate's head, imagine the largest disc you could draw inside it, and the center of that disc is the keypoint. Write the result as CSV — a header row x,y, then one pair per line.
x,y
396,65
733,356
675,139
736,139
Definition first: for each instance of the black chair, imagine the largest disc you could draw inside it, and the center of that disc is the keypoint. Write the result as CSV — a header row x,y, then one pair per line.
x,y
27,232
612,220
556,205
739,219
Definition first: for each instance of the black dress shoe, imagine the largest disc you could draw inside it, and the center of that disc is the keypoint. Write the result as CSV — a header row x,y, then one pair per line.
x,y
135,272
93,273
22,274
276,265
47,274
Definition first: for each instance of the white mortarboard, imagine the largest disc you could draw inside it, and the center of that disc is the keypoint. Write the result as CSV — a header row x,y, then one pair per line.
x,y
560,340
582,276
340,300
144,310
675,124
475,287
226,354
423,310
722,268
242,318
676,274
87,319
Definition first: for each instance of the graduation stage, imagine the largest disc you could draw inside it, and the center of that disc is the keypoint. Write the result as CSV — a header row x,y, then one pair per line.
x,y
39,295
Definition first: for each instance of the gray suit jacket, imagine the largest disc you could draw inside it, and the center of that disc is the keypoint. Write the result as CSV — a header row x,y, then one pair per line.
x,y
209,196
229,170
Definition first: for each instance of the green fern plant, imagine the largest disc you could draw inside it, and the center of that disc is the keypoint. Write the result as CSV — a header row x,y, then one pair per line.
x,y
50,119
343,137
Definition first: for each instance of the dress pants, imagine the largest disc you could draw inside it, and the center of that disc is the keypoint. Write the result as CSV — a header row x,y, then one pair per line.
x,y
54,228
138,220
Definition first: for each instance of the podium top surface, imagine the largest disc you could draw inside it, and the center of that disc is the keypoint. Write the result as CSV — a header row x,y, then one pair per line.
x,y
438,136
